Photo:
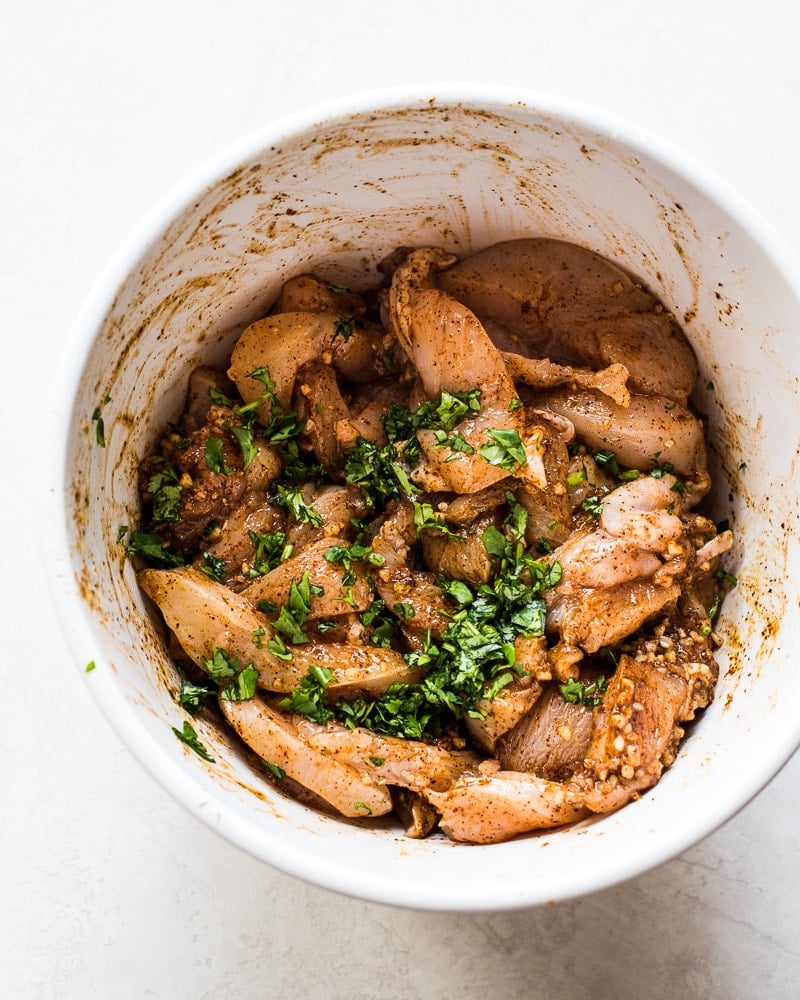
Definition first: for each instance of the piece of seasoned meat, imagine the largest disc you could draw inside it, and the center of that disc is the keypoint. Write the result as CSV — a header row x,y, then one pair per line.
x,y
552,739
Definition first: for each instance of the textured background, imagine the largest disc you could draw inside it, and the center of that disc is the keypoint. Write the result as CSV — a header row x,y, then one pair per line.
x,y
109,889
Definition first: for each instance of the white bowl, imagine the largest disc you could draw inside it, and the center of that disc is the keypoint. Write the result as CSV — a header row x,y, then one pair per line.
x,y
333,190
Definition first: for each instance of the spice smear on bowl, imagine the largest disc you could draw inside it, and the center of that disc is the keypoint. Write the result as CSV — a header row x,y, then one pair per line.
x,y
435,548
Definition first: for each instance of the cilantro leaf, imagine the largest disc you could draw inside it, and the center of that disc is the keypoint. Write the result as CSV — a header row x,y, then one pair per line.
x,y
190,738
215,460
165,491
244,436
578,692
308,698
242,687
505,449
151,546
291,500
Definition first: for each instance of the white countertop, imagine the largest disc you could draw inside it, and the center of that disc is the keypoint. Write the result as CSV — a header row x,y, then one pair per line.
x,y
109,889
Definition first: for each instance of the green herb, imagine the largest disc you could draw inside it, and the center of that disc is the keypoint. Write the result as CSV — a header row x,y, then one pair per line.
x,y
661,469
362,807
346,326
383,626
189,737
338,288
378,761
258,636
506,449
474,658
426,519
308,699
299,467
357,552
219,398
122,531
377,472
457,590
242,687
244,436
576,478
291,500
404,610
193,696
215,460
90,666
515,404
151,546
274,770
288,626
298,607
440,415
457,443
282,425
220,666
99,426
270,550
593,505
577,692
165,489
237,683
607,461
278,647
727,578
212,566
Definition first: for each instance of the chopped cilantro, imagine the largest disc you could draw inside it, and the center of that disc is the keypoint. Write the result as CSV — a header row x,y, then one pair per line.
x,y
274,770
151,546
378,473
270,550
193,696
291,500
346,326
212,566
383,626
577,692
242,687
357,552
90,666
425,518
236,683
220,666
189,737
308,699
219,398
99,426
244,436
505,449
165,490
215,460
593,505
292,616
473,659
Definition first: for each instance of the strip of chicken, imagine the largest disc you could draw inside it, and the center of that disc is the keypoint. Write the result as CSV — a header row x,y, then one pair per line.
x,y
276,739
488,809
205,615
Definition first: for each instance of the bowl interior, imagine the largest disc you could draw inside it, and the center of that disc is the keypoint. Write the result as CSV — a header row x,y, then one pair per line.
x,y
333,195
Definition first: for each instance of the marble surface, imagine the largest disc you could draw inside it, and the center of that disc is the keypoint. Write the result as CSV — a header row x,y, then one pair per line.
x,y
108,888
